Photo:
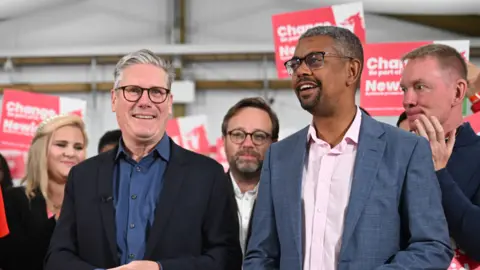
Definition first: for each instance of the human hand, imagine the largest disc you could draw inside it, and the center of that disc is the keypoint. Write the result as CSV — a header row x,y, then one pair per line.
x,y
432,130
139,265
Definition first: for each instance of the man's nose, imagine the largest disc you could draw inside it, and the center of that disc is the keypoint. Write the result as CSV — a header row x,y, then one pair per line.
x,y
144,99
248,142
409,98
303,70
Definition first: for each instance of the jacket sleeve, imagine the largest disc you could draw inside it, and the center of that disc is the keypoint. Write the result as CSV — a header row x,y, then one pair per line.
x,y
62,253
422,212
463,216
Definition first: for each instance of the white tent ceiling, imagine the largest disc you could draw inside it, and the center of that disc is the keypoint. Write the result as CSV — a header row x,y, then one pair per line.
x,y
13,8
420,7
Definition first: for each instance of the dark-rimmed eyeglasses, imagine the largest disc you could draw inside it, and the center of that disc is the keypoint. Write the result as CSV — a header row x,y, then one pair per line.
x,y
258,137
313,60
134,93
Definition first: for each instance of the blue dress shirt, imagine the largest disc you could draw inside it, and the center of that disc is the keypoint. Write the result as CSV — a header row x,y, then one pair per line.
x,y
137,187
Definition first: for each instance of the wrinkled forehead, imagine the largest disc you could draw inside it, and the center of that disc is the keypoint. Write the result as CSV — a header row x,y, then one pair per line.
x,y
308,45
421,69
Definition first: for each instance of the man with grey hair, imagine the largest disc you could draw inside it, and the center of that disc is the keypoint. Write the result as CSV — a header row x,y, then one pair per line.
x,y
147,204
346,192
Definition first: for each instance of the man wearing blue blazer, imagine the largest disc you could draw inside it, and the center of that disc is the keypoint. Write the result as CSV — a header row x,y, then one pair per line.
x,y
346,192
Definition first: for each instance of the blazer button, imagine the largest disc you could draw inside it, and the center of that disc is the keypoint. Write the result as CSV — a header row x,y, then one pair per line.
x,y
131,256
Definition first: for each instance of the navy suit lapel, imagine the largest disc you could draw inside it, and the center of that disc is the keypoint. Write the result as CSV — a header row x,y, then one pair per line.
x,y
293,155
370,151
172,183
105,194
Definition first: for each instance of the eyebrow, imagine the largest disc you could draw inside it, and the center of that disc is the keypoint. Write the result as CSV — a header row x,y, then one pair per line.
x,y
65,141
413,82
242,129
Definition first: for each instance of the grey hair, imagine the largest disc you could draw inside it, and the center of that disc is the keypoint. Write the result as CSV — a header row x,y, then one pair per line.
x,y
143,56
346,43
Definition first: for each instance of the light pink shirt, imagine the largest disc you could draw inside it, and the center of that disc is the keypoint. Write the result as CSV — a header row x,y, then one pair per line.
x,y
326,184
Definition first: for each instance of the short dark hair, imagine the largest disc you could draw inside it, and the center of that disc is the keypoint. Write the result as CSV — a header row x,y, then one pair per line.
x,y
110,137
252,102
401,118
447,57
364,111
7,175
346,42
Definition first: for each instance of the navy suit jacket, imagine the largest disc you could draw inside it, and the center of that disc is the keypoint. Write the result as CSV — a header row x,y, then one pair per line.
x,y
460,184
394,219
195,226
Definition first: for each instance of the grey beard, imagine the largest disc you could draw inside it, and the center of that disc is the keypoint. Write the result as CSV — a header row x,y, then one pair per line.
x,y
247,169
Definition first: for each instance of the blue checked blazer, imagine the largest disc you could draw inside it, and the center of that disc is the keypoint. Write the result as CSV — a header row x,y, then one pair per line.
x,y
394,219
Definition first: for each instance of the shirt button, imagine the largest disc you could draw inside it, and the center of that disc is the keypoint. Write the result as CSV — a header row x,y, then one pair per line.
x,y
134,197
132,226
138,169
131,256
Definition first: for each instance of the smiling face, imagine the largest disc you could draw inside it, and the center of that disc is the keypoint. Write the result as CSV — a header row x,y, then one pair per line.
x,y
142,121
323,83
66,149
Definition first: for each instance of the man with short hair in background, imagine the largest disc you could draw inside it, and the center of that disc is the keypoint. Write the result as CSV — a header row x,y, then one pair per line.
x,y
402,122
434,82
249,128
109,140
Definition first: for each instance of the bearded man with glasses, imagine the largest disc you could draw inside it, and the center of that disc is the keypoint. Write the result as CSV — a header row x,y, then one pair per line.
x,y
346,192
147,204
249,128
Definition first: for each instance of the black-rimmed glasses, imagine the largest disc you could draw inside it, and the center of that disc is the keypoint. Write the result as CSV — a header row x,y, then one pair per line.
x,y
258,137
134,93
313,60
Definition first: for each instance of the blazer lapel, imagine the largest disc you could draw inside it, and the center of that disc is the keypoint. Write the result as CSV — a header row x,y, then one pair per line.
x,y
293,155
172,182
370,151
105,194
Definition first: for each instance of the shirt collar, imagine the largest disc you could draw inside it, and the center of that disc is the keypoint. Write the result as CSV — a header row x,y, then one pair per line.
x,y
162,149
352,133
236,188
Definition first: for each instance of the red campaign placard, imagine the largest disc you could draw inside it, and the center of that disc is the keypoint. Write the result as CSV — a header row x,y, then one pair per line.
x,y
190,133
288,27
220,155
461,261
474,120
380,92
22,112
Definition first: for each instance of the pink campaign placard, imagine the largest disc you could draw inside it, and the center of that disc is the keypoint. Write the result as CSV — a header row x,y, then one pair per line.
x,y
22,112
380,92
288,27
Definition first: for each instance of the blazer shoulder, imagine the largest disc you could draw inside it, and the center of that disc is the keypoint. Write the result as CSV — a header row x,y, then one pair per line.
x,y
198,160
15,195
94,161
292,139
398,134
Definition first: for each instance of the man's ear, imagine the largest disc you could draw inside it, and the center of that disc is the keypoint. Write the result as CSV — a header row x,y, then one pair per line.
x,y
354,72
461,88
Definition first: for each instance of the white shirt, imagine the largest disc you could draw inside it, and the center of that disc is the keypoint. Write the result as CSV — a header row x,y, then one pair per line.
x,y
245,203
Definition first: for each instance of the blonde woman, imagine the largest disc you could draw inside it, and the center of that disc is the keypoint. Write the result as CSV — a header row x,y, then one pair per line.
x,y
58,145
